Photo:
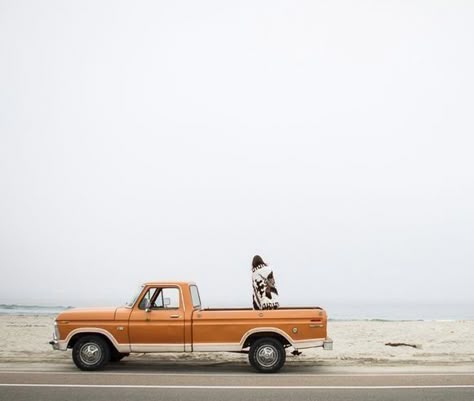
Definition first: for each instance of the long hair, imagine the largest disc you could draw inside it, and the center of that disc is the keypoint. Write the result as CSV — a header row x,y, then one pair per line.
x,y
257,261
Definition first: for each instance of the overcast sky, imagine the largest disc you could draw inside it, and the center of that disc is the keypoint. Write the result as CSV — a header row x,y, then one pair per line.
x,y
162,140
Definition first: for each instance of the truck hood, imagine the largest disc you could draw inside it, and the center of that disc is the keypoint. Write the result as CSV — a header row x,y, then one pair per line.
x,y
88,314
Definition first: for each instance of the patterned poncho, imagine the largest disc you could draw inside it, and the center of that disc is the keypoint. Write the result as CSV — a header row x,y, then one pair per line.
x,y
265,294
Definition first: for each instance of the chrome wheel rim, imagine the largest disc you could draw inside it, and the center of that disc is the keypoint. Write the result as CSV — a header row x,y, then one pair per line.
x,y
90,353
267,356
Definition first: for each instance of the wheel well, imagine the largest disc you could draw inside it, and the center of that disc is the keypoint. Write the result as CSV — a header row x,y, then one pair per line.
x,y
76,337
253,337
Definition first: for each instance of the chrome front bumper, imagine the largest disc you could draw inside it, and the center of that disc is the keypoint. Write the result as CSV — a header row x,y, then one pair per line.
x,y
54,342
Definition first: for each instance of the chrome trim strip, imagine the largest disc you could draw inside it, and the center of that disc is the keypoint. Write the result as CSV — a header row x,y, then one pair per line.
x,y
217,347
265,329
157,347
125,348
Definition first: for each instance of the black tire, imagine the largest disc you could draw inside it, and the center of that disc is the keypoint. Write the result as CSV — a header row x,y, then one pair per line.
x,y
91,353
267,355
117,356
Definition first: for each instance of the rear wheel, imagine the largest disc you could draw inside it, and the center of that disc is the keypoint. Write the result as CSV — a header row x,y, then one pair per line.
x,y
267,355
91,353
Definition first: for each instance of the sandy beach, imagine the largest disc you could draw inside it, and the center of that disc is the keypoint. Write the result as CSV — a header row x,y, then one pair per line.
x,y
25,339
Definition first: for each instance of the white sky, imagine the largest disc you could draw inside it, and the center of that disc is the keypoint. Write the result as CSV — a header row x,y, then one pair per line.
x,y
150,140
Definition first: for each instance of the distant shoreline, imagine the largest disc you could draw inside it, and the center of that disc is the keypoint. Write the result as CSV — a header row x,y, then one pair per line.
x,y
31,310
54,311
336,313
11,306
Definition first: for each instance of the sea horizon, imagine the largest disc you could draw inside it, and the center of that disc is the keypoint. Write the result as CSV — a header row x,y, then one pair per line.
x,y
336,312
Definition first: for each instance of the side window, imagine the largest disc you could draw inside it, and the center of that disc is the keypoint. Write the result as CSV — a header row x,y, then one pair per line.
x,y
170,298
160,298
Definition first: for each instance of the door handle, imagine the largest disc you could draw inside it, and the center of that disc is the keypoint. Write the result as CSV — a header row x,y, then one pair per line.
x,y
174,316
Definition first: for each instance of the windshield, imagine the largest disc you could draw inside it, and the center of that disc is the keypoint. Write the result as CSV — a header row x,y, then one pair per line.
x,y
130,303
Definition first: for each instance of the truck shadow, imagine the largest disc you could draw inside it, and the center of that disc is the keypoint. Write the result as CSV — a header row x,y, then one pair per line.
x,y
198,367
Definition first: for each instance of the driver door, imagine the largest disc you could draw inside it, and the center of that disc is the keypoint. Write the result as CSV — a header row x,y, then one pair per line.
x,y
157,321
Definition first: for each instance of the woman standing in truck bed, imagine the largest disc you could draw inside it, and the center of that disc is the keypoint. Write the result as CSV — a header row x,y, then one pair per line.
x,y
265,294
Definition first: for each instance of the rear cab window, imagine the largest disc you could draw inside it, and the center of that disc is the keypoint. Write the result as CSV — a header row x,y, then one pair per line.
x,y
195,298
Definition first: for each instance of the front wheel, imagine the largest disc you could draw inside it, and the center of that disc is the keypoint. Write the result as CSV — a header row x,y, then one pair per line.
x,y
91,353
267,355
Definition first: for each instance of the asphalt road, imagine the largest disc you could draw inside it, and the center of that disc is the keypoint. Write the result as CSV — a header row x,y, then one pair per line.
x,y
143,381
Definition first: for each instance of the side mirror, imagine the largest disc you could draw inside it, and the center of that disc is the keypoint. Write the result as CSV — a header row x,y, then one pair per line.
x,y
167,302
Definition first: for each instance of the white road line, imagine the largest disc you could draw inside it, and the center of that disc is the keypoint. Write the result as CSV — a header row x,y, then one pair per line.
x,y
413,374
177,387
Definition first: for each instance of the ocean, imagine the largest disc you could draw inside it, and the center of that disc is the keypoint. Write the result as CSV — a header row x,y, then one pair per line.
x,y
335,311
13,309
400,311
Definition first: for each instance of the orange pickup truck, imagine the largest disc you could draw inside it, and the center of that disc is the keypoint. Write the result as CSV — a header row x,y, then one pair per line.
x,y
168,317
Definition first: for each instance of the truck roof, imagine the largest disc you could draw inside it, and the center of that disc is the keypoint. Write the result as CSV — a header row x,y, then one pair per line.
x,y
180,283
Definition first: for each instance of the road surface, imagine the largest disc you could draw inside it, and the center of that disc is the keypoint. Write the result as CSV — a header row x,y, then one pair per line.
x,y
142,381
